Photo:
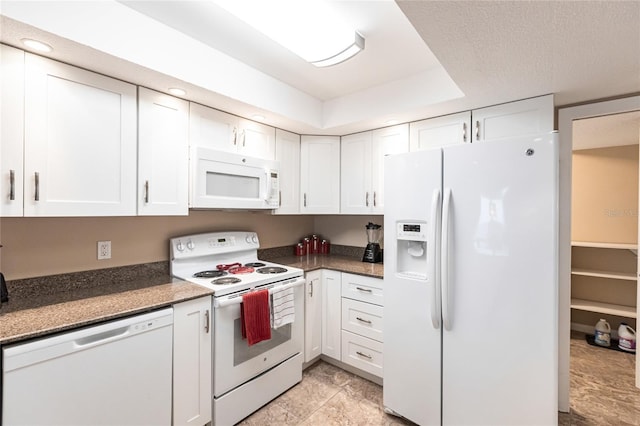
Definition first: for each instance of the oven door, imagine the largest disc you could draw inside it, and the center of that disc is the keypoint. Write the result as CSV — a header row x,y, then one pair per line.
x,y
234,361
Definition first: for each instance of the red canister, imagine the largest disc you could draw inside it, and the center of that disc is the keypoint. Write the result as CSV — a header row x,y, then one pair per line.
x,y
307,245
315,244
300,250
324,247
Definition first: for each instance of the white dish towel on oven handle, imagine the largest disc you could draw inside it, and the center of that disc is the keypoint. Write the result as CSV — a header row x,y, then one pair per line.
x,y
282,308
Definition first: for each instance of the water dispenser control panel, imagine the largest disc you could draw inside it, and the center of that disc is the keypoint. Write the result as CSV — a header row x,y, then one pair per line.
x,y
412,231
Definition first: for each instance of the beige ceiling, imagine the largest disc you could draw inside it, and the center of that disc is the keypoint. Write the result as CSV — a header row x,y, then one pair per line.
x,y
491,51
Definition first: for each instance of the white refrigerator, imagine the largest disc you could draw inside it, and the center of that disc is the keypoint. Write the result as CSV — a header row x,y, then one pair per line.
x,y
470,282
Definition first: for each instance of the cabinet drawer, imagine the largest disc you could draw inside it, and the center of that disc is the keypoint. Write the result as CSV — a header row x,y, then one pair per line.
x,y
362,353
362,318
364,289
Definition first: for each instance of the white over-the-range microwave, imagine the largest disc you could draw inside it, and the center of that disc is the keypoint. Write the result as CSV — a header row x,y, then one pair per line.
x,y
225,180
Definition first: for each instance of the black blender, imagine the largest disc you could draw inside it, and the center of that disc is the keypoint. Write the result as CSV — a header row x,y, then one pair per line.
x,y
373,253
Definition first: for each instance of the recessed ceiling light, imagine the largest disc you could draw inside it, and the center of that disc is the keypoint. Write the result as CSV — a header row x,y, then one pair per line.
x,y
177,91
36,45
258,117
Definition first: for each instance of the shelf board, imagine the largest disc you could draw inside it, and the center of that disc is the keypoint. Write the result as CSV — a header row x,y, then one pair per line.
x,y
605,245
604,308
627,276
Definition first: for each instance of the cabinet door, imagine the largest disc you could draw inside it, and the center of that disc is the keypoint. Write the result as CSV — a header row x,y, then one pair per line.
x,y
355,173
163,156
257,140
313,316
331,313
526,117
387,141
80,142
210,128
320,174
192,362
288,154
440,131
11,130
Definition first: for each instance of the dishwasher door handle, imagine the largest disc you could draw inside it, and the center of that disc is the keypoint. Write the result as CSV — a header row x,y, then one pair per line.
x,y
104,337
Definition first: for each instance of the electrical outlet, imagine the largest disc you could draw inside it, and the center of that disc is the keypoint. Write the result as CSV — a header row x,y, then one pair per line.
x,y
104,250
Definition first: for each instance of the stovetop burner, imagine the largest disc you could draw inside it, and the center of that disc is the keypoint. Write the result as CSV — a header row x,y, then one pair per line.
x,y
241,270
209,274
255,264
271,270
226,280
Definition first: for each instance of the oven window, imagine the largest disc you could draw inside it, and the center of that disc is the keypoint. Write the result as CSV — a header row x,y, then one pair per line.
x,y
235,186
243,352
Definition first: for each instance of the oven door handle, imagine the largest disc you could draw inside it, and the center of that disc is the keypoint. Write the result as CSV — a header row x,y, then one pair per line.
x,y
237,299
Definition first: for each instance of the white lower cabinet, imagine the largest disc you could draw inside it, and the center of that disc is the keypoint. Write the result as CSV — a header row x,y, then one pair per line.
x,y
192,362
362,322
331,313
313,315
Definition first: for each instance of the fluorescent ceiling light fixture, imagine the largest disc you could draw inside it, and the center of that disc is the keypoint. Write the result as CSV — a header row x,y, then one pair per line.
x,y
36,45
311,28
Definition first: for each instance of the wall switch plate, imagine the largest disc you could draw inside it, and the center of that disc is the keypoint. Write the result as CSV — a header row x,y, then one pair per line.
x,y
104,250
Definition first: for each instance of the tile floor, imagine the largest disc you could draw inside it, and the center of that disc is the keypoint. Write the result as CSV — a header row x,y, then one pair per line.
x,y
602,393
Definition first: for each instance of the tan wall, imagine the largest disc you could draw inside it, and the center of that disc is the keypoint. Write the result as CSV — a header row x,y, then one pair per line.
x,y
44,246
347,230
605,195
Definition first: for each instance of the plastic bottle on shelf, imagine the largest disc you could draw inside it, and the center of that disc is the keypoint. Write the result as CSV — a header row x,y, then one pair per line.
x,y
627,338
603,333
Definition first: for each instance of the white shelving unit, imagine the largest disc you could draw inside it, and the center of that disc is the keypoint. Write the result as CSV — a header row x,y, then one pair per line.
x,y
600,307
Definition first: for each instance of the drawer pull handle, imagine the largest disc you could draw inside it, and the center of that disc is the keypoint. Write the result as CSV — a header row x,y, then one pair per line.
x,y
363,320
12,185
364,355
366,290
206,321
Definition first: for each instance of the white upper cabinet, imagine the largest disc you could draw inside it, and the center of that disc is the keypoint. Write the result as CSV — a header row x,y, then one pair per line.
x,y
11,130
288,154
211,128
320,174
526,117
440,131
355,173
163,154
362,167
80,142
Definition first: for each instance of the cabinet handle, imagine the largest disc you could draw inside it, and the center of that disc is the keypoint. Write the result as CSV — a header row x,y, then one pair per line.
x,y
146,192
367,199
37,181
364,355
375,203
244,138
12,185
235,136
206,321
305,199
311,289
464,132
363,320
366,290
279,198
477,130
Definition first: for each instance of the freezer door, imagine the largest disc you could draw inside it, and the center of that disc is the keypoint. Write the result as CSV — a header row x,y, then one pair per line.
x,y
412,327
499,283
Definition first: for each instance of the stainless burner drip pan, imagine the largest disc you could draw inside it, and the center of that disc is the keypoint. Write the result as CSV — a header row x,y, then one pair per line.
x,y
271,270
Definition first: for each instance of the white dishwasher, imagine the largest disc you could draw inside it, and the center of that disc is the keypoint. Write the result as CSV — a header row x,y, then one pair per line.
x,y
117,373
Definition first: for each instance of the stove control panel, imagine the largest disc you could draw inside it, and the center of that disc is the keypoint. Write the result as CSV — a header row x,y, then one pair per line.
x,y
213,243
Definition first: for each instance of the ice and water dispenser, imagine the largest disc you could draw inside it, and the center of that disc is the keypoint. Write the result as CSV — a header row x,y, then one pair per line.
x,y
412,249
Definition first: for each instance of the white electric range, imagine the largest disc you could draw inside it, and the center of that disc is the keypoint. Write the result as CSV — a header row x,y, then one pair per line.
x,y
244,377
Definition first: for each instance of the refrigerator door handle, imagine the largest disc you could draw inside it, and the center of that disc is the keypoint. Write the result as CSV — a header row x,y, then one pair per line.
x,y
444,258
434,267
